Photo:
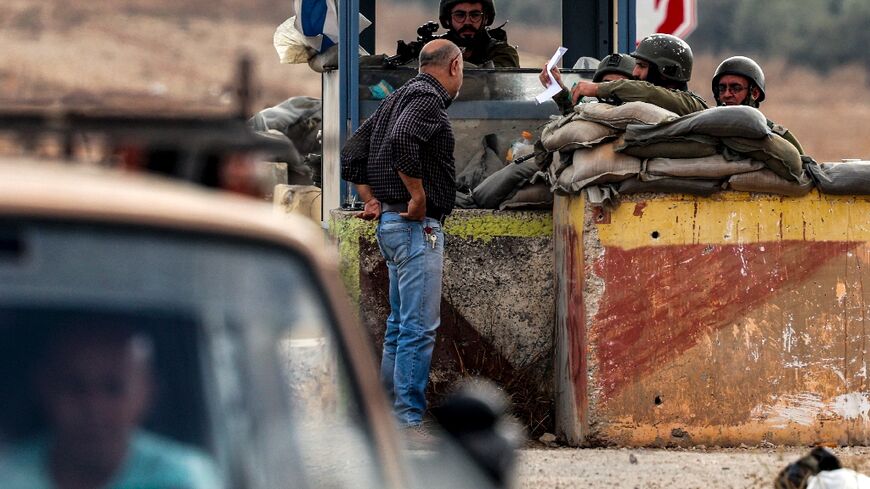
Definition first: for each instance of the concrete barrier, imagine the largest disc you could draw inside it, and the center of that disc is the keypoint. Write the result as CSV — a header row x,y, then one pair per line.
x,y
737,319
497,302
301,199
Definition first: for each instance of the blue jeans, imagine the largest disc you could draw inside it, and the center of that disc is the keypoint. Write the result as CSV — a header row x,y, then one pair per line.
x,y
415,300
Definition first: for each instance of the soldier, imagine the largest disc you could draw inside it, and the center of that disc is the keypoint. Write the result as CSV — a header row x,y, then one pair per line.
x,y
740,81
467,26
613,67
663,67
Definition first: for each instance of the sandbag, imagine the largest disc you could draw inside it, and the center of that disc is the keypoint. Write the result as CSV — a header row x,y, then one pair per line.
x,y
847,178
591,166
671,185
571,132
777,153
298,118
558,164
530,196
768,182
727,121
483,163
620,116
710,167
464,201
502,184
682,147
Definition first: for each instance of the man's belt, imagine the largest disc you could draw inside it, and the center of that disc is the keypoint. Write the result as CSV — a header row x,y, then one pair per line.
x,y
403,207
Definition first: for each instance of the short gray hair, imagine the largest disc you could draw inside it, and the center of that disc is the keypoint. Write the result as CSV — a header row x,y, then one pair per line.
x,y
439,56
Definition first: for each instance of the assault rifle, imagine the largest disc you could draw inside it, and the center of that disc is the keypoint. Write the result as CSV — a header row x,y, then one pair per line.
x,y
406,52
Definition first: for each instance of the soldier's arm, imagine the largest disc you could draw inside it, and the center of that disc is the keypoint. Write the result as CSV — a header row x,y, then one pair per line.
x,y
676,101
563,100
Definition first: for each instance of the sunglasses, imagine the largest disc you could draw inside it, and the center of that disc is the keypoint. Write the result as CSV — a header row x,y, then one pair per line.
x,y
460,15
734,88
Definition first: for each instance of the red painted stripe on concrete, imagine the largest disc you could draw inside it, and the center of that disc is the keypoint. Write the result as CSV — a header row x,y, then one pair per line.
x,y
658,301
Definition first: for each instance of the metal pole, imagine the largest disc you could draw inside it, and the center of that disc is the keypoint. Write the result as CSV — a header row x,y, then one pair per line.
x,y
627,26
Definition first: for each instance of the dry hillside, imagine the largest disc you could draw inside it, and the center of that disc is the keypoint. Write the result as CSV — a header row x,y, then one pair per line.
x,y
162,55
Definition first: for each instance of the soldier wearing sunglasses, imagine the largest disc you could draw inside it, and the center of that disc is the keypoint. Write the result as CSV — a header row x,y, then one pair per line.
x,y
740,81
467,25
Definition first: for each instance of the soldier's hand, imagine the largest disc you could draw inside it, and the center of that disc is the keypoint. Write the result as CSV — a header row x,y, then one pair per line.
x,y
416,210
545,80
371,211
584,89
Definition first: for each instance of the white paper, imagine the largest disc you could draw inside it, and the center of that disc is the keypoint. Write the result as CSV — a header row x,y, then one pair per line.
x,y
552,88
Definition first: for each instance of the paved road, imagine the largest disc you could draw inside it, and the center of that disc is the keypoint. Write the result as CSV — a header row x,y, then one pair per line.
x,y
650,468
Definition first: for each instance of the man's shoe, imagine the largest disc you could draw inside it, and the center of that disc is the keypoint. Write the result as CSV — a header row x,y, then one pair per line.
x,y
418,438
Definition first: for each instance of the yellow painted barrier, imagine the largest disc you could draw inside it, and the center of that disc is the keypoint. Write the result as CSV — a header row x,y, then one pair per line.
x,y
713,321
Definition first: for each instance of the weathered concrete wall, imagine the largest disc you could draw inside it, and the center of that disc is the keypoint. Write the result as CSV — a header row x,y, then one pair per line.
x,y
497,303
713,321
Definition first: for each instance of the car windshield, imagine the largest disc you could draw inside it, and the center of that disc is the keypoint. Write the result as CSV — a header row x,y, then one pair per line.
x,y
145,358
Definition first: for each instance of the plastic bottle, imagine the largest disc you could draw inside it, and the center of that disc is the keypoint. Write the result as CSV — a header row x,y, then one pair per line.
x,y
521,147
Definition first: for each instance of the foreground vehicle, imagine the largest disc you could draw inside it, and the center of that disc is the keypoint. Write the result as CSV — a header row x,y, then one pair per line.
x,y
257,375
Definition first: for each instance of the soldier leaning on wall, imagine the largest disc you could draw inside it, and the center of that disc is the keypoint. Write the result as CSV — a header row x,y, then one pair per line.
x,y
467,25
663,67
740,81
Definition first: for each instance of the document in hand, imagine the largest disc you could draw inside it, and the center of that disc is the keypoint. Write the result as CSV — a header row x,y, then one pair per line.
x,y
552,88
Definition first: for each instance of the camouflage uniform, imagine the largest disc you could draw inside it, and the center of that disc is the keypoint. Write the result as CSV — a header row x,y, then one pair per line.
x,y
620,91
487,48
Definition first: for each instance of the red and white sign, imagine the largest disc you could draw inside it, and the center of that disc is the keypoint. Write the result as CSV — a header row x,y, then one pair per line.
x,y
677,17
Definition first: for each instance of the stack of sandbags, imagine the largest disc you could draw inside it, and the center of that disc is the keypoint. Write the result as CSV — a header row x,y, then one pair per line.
x,y
486,181
728,137
583,152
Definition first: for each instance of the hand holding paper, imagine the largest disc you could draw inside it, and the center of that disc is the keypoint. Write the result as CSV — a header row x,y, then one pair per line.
x,y
553,87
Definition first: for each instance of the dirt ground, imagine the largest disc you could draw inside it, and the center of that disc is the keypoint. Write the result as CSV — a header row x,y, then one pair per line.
x,y
569,468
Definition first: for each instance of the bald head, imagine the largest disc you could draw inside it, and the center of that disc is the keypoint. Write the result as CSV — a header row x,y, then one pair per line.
x,y
443,60
438,54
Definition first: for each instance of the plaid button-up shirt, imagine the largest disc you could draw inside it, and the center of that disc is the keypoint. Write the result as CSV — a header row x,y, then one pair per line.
x,y
408,133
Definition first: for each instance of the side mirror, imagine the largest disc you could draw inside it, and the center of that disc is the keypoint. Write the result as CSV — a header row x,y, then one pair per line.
x,y
476,417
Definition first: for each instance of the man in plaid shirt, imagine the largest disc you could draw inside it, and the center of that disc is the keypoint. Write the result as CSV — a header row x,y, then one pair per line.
x,y
401,160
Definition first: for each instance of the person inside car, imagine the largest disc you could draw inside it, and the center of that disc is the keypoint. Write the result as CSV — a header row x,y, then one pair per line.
x,y
95,386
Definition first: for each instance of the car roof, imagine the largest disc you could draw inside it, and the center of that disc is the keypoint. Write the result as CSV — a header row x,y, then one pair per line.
x,y
71,191
54,189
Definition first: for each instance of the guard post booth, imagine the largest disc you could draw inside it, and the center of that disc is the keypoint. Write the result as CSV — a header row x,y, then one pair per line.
x,y
498,301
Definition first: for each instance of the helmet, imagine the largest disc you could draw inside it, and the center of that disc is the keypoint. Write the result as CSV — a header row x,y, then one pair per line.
x,y
614,63
740,66
447,6
670,53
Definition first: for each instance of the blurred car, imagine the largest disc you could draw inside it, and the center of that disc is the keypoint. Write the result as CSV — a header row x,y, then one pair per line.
x,y
235,350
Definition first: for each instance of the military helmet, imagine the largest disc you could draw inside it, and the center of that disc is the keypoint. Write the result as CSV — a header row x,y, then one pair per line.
x,y
614,63
740,66
447,6
670,54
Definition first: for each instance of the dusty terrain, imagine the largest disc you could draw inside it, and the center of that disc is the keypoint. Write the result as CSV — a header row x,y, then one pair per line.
x,y
568,468
162,55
